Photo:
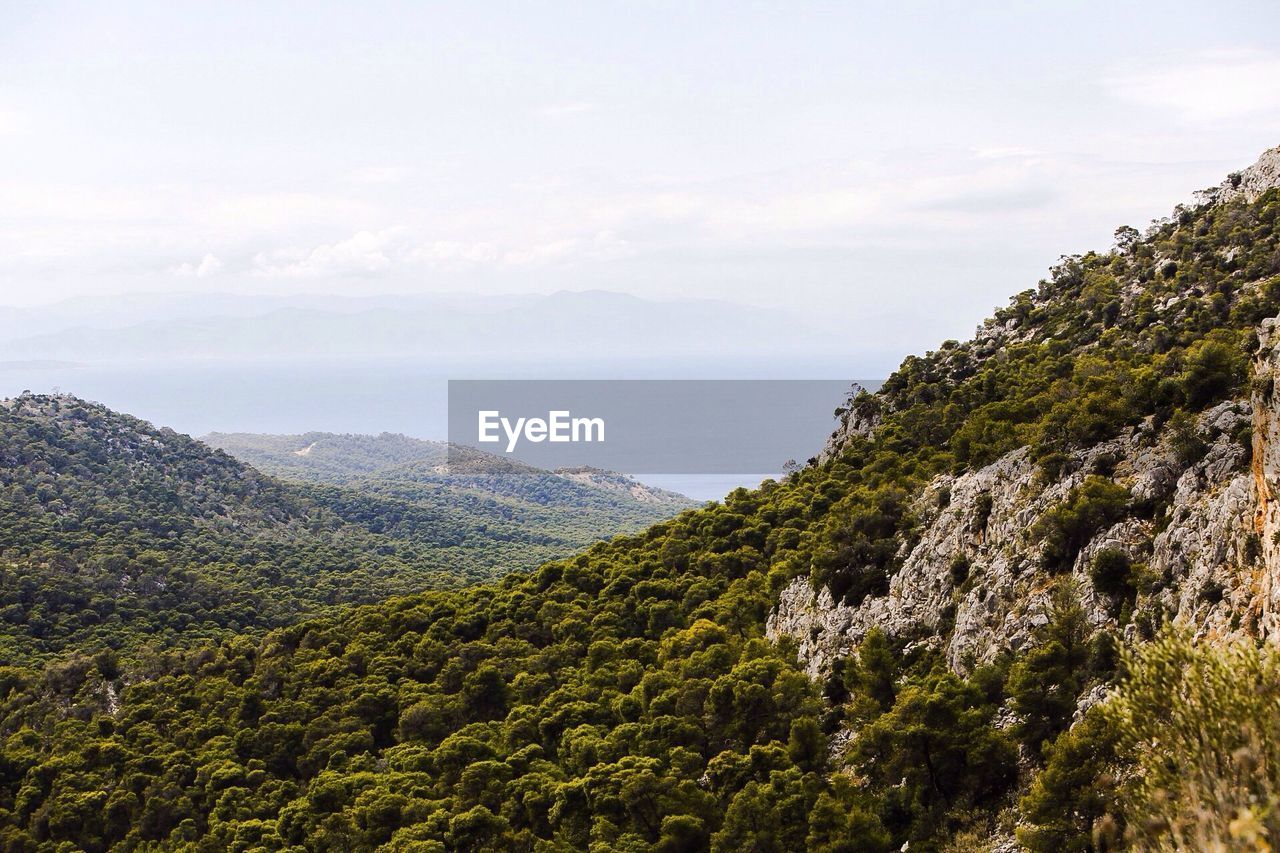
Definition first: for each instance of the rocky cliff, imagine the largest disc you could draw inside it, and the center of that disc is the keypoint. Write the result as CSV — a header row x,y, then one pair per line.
x,y
1265,475
976,573
1247,185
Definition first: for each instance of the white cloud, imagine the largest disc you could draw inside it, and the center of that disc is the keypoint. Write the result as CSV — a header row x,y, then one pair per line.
x,y
566,109
1206,87
208,266
371,253
10,122
364,253
380,175
451,252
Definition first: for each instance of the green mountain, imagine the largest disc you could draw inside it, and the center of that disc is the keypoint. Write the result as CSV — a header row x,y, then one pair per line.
x,y
114,533
516,515
968,626
573,506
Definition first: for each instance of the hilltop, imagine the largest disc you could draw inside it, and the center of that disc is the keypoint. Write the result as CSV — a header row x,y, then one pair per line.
x,y
425,490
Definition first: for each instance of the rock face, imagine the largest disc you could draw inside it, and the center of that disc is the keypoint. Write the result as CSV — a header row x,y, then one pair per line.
x,y
975,583
1250,183
1265,471
859,415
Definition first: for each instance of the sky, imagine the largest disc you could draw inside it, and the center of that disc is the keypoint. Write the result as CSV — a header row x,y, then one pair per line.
x,y
897,167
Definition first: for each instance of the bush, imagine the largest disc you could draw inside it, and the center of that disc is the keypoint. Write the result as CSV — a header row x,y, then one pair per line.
x,y
1074,795
1112,573
1214,371
982,507
936,752
1188,447
862,544
1093,505
1046,682
1199,724
873,673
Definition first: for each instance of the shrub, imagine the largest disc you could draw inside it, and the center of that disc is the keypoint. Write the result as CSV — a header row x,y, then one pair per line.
x,y
1112,573
1066,528
935,752
983,505
1188,447
1199,724
1214,371
862,543
1044,684
1070,799
874,672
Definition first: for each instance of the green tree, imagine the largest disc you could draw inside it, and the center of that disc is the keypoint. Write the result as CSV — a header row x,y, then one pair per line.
x,y
1073,803
1045,683
935,753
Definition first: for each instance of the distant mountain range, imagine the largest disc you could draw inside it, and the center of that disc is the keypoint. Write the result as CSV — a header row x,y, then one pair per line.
x,y
432,475
399,326
371,461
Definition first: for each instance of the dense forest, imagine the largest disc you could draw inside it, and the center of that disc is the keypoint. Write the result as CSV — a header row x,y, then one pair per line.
x,y
628,698
115,534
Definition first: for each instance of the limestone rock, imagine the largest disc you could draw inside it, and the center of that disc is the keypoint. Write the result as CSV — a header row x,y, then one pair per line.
x,y
1202,564
1249,183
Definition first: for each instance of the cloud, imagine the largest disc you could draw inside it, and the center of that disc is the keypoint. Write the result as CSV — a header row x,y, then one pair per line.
x,y
208,266
1207,87
371,253
604,245
566,109
451,252
380,175
10,122
364,253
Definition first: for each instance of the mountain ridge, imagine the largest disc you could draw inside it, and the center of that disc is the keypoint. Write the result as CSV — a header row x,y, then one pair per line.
x,y
546,323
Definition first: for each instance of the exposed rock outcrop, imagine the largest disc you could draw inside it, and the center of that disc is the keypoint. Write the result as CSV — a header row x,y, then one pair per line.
x,y
1265,470
1249,183
974,583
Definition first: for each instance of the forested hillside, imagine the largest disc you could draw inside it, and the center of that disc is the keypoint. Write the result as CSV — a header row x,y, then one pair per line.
x,y
115,534
994,650
419,490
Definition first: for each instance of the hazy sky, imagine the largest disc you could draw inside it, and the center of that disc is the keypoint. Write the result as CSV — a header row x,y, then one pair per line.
x,y
911,163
